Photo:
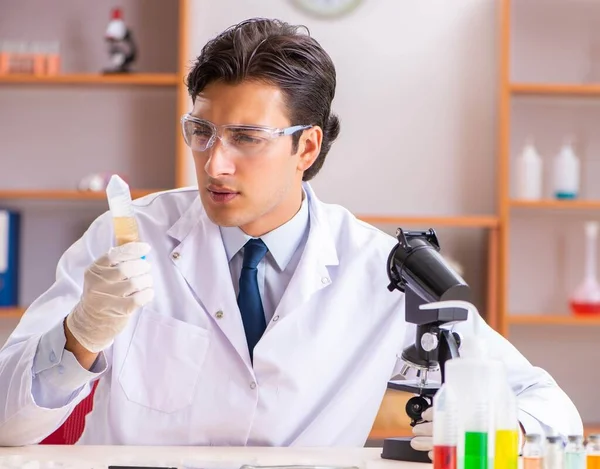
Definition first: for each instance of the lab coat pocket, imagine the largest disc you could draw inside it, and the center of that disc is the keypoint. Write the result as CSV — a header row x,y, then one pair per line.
x,y
163,363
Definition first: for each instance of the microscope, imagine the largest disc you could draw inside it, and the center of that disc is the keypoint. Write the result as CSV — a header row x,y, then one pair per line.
x,y
416,268
122,48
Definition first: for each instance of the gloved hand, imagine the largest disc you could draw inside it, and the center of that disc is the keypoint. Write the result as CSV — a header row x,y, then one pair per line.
x,y
423,439
114,286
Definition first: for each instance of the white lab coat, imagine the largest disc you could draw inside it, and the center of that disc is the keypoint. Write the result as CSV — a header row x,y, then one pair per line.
x,y
180,373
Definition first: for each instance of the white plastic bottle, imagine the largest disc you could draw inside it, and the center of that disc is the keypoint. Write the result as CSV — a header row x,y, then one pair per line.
x,y
566,173
528,173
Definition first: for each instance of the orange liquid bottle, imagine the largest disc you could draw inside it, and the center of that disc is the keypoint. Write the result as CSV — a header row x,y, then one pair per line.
x,y
592,449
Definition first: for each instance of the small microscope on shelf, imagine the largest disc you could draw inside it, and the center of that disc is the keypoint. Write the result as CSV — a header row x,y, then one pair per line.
x,y
416,268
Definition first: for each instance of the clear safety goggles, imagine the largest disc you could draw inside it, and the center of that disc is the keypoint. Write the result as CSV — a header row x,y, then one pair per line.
x,y
200,135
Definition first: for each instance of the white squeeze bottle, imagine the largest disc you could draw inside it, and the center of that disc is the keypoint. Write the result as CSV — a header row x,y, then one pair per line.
x,y
121,209
566,173
528,173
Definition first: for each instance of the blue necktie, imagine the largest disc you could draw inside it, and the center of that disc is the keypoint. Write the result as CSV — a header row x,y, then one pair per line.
x,y
253,315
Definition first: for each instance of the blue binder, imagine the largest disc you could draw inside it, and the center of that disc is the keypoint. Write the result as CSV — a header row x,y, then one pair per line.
x,y
9,258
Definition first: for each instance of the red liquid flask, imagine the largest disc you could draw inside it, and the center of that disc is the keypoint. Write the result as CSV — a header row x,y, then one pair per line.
x,y
585,300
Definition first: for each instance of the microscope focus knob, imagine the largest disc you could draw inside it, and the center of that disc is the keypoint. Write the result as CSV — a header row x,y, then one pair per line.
x,y
429,341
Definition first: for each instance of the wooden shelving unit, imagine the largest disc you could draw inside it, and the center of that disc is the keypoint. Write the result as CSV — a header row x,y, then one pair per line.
x,y
58,194
141,79
514,98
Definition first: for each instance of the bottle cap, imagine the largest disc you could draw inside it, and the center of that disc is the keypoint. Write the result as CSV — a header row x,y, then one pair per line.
x,y
575,438
553,439
533,438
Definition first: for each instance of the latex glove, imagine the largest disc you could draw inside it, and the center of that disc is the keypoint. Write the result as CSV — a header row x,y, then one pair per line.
x,y
423,434
114,287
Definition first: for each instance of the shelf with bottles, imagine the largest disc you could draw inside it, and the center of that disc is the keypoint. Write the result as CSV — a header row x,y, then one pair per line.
x,y
553,270
82,42
553,148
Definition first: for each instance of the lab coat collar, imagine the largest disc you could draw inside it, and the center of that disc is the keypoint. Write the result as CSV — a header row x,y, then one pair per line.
x,y
282,242
201,259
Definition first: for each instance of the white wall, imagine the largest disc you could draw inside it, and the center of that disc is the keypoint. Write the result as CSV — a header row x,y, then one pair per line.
x,y
416,95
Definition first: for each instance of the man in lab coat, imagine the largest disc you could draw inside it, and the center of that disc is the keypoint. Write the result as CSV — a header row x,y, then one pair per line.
x,y
250,313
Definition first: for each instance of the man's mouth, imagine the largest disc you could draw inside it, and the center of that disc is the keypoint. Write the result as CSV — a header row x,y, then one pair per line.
x,y
221,194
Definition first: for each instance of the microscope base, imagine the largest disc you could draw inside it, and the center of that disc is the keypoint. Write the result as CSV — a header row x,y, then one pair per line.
x,y
399,449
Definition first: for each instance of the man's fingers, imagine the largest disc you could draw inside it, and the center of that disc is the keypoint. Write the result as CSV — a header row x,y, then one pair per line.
x,y
422,443
423,429
428,414
127,252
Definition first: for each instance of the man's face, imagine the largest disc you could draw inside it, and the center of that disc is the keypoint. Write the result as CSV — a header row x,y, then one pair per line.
x,y
259,191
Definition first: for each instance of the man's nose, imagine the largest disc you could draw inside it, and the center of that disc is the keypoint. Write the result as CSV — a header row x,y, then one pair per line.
x,y
219,163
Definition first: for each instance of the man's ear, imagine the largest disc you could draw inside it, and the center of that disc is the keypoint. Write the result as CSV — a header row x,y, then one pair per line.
x,y
309,147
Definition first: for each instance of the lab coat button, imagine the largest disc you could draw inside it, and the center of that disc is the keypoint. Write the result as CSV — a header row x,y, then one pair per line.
x,y
53,357
219,314
275,318
175,255
324,280
252,385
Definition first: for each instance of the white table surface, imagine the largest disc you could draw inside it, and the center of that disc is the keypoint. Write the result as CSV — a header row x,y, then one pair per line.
x,y
100,457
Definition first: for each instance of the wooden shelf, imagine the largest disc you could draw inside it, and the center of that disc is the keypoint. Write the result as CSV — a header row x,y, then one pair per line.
x,y
553,319
590,429
144,79
11,312
461,222
556,204
51,194
540,89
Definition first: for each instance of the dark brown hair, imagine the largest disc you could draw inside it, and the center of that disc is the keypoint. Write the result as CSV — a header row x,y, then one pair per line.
x,y
280,54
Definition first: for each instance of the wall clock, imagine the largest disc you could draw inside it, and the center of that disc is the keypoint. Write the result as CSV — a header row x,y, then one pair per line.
x,y
327,8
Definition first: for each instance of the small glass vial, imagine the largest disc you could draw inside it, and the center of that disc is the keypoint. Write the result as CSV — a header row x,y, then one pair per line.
x,y
592,449
554,453
533,453
575,453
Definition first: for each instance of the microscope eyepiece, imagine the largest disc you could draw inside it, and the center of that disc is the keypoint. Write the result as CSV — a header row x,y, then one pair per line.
x,y
416,263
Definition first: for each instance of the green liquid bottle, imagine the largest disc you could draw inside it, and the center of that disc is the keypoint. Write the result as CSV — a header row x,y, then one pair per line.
x,y
476,450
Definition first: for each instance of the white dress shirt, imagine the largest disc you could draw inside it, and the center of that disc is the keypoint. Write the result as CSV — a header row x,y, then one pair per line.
x,y
275,270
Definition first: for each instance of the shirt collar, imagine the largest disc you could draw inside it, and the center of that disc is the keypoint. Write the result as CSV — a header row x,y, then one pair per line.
x,y
282,242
